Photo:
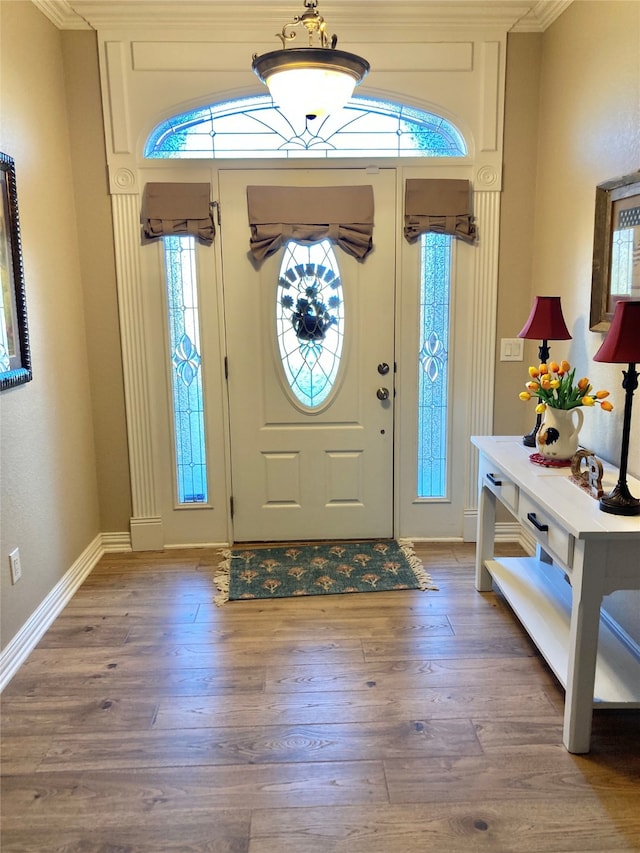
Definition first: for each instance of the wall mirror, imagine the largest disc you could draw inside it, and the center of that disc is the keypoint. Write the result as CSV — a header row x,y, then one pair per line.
x,y
616,248
15,359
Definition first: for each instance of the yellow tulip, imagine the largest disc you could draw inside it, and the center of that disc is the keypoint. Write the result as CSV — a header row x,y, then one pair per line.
x,y
534,372
587,401
540,408
606,405
524,395
555,383
602,394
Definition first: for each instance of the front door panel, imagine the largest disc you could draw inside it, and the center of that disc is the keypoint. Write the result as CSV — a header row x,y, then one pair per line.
x,y
319,471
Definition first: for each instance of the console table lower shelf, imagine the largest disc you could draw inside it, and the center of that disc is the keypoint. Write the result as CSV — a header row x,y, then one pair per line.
x,y
540,596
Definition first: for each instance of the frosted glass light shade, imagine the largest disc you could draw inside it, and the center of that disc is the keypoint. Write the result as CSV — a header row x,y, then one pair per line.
x,y
310,91
311,82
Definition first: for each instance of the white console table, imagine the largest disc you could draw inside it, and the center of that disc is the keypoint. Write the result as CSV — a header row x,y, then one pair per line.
x,y
582,554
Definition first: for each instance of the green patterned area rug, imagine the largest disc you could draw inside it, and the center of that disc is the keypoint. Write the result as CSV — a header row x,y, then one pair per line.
x,y
318,569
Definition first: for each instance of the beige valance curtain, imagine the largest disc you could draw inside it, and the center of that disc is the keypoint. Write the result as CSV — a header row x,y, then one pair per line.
x,y
170,210
344,215
438,204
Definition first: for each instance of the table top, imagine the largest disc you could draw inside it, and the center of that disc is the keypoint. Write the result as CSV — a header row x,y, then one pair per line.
x,y
575,509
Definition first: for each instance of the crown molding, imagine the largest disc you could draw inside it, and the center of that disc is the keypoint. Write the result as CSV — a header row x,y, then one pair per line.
x,y
510,15
541,16
62,14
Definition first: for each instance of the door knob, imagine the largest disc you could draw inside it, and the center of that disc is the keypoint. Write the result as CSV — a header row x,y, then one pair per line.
x,y
383,368
382,393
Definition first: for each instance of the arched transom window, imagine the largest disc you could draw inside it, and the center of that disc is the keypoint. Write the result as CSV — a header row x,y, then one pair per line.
x,y
253,127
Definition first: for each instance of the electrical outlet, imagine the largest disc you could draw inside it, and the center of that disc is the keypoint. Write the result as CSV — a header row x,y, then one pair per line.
x,y
14,563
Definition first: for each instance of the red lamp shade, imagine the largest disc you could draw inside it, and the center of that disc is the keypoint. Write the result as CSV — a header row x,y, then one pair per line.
x,y
545,322
622,344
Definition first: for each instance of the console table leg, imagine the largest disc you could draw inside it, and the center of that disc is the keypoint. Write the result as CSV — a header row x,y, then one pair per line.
x,y
587,588
485,547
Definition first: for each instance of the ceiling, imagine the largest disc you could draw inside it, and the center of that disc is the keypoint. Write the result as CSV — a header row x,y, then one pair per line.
x,y
512,15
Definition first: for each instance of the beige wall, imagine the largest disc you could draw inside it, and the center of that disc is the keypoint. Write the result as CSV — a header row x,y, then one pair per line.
x,y
97,265
47,463
589,132
524,53
585,120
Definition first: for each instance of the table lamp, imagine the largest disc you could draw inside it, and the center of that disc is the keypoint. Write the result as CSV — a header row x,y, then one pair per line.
x,y
545,324
622,346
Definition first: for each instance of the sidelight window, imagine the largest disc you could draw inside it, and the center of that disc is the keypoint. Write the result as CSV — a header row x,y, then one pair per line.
x,y
185,369
433,365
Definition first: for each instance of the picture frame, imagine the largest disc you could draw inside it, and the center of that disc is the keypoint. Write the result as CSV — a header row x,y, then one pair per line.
x,y
15,355
616,248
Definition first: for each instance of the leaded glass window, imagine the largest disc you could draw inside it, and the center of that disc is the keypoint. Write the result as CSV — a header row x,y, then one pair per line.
x,y
254,127
186,372
433,365
310,320
622,258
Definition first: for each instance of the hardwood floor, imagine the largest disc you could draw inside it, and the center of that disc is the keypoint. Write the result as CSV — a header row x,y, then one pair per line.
x,y
148,719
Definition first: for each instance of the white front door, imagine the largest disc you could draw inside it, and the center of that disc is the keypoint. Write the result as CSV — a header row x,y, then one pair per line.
x,y
301,470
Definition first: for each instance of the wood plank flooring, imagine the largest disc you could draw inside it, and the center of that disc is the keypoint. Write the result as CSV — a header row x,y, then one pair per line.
x,y
149,720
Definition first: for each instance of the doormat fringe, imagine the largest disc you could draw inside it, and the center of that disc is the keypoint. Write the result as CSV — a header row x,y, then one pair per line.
x,y
318,569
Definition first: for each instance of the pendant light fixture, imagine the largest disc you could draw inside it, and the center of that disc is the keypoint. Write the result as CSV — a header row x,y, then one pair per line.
x,y
314,81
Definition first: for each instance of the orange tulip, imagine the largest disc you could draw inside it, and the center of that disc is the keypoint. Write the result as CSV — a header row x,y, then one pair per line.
x,y
607,406
602,394
554,367
543,369
583,383
565,366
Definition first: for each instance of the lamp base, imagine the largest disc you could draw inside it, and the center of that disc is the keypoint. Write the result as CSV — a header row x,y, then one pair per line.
x,y
620,501
529,440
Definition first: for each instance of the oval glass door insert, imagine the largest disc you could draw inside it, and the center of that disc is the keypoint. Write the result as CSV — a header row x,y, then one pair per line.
x,y
310,320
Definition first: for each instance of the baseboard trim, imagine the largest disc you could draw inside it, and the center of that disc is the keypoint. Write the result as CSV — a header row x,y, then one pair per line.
x,y
113,543
21,646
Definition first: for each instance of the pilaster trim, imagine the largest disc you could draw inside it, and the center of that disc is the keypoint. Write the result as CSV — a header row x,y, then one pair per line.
x,y
484,294
126,225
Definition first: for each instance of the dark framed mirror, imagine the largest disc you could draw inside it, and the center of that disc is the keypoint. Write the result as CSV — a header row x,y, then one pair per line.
x,y
616,248
15,357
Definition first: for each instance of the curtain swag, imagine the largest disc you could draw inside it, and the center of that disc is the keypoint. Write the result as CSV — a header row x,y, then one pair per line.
x,y
172,210
438,204
344,215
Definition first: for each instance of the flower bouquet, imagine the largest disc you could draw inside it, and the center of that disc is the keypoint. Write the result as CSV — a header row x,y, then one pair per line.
x,y
560,397
554,385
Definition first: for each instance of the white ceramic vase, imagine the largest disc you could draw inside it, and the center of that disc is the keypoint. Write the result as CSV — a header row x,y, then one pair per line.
x,y
559,432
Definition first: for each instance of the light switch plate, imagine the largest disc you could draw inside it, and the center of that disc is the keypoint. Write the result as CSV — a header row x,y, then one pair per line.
x,y
511,349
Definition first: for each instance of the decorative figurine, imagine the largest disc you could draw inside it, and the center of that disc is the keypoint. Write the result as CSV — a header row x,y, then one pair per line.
x,y
591,478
